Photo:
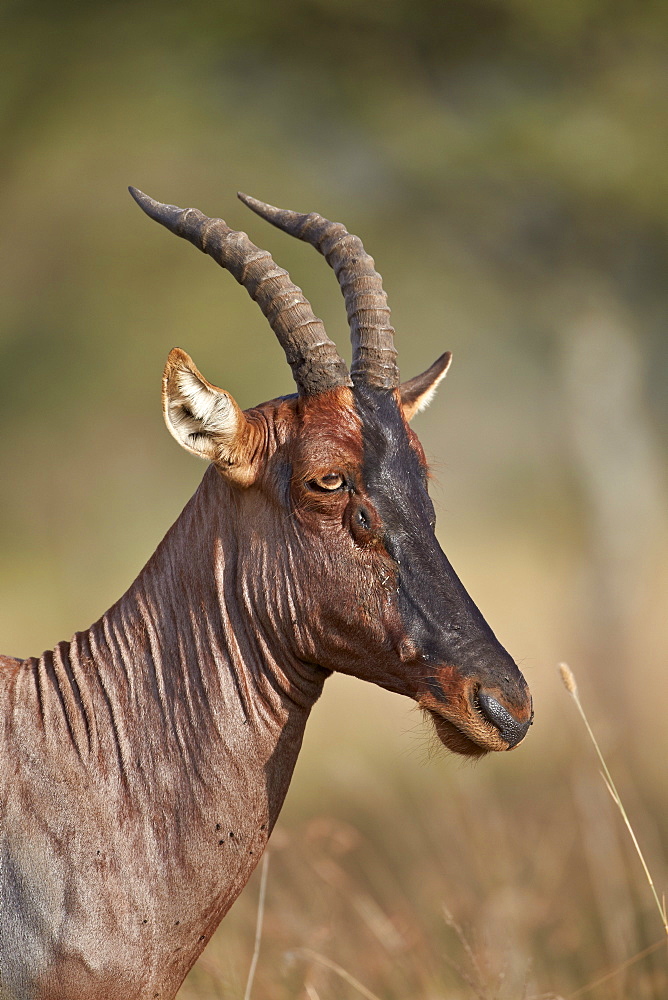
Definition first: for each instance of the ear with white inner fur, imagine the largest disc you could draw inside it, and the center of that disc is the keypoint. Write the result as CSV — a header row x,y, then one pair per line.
x,y
419,391
204,419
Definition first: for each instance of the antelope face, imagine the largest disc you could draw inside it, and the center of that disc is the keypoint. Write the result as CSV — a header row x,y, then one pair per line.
x,y
340,480
384,601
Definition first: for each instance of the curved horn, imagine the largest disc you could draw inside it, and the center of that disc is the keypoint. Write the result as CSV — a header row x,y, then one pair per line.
x,y
366,303
315,362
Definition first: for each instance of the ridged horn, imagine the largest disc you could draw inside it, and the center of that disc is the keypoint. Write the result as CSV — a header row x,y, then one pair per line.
x,y
313,358
374,355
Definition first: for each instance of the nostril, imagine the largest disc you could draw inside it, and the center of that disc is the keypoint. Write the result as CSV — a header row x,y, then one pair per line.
x,y
510,728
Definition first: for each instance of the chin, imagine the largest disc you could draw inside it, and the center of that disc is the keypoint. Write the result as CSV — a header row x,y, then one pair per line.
x,y
454,739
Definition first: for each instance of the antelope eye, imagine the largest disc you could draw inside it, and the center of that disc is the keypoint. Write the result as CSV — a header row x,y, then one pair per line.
x,y
328,483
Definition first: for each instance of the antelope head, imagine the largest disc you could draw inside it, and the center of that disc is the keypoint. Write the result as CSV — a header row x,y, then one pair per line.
x,y
337,555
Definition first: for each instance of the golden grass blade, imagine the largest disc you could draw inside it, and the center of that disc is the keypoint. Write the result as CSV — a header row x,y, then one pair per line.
x,y
615,972
338,969
258,925
568,678
474,984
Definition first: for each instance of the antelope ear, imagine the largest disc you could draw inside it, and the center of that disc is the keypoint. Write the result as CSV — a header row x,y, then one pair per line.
x,y
418,392
206,420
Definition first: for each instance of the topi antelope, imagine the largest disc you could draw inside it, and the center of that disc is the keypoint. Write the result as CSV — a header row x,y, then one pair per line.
x,y
144,762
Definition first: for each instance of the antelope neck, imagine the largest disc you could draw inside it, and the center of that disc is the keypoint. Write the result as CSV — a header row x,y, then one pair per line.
x,y
177,652
167,733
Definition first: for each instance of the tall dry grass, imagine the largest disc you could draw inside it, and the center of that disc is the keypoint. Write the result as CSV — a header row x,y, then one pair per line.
x,y
570,684
425,879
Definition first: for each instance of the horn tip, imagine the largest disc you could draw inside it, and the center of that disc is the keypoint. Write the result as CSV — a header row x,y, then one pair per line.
x,y
138,195
257,206
167,215
145,202
282,218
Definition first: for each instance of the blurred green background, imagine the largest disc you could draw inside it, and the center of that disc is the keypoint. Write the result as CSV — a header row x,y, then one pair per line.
x,y
505,162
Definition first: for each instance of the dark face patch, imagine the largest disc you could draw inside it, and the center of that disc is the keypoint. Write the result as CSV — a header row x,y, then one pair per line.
x,y
439,618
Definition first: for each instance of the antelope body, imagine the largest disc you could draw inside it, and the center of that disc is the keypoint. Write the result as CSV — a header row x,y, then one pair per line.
x,y
144,762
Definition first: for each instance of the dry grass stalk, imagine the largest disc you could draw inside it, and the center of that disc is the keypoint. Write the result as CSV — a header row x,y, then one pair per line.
x,y
258,925
620,968
476,981
568,678
314,956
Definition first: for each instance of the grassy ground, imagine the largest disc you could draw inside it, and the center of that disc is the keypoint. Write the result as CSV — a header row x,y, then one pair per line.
x,y
428,879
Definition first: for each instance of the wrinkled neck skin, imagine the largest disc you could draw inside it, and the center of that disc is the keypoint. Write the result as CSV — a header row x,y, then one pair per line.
x,y
147,762
148,759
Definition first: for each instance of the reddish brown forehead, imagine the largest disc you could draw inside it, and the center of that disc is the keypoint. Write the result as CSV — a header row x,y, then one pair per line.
x,y
330,430
314,434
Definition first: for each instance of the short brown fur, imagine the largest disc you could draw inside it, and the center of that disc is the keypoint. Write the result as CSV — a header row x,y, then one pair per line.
x,y
146,760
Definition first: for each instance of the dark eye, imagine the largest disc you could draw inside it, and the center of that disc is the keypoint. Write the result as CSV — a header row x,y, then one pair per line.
x,y
328,483
362,519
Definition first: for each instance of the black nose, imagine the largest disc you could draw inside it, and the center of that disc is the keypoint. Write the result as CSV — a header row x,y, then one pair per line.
x,y
511,730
